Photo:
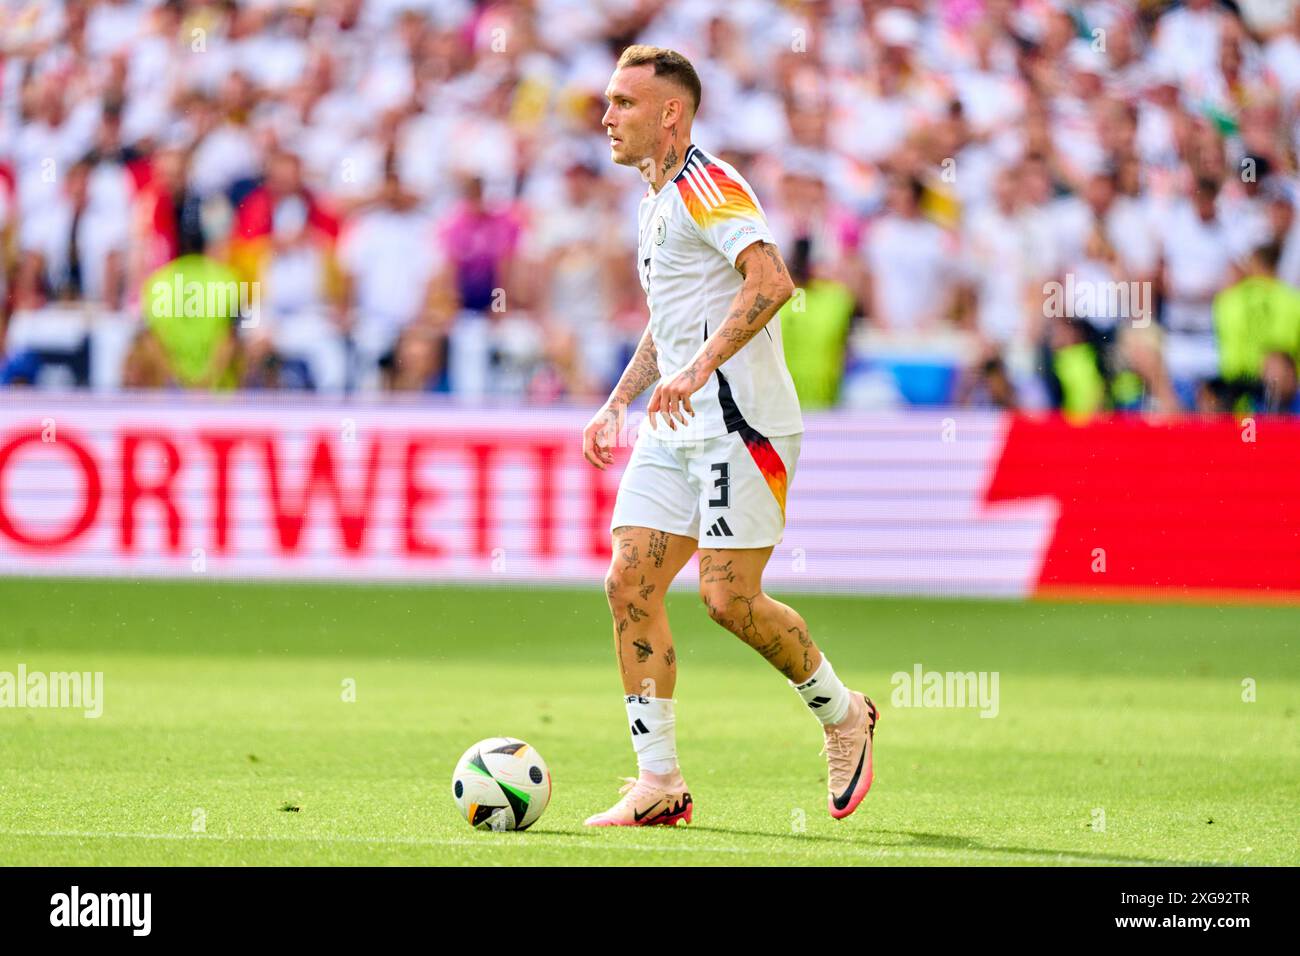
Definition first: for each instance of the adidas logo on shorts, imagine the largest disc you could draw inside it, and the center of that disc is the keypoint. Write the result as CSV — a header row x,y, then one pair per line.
x,y
719,530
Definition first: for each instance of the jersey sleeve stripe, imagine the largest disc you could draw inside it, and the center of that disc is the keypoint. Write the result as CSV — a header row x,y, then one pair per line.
x,y
731,191
710,195
736,205
710,186
700,191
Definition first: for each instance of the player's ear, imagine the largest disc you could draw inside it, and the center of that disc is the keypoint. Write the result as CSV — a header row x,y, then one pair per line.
x,y
673,111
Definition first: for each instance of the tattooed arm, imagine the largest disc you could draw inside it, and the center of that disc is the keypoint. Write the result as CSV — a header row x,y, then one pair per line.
x,y
766,288
602,430
640,374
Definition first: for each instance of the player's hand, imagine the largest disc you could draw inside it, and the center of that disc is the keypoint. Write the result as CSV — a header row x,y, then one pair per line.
x,y
600,434
672,396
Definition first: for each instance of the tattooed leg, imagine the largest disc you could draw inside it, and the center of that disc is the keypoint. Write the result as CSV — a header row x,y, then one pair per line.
x,y
775,630
729,585
644,563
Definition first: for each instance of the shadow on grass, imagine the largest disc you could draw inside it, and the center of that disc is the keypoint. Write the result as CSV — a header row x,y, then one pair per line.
x,y
956,843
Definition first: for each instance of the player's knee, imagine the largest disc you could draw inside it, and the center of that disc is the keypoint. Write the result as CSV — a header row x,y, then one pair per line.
x,y
716,600
613,586
624,589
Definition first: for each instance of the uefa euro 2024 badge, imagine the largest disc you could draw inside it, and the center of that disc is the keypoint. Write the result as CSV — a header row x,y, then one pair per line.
x,y
661,231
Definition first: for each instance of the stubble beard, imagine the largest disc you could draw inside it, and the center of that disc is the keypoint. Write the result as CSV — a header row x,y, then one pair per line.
x,y
645,165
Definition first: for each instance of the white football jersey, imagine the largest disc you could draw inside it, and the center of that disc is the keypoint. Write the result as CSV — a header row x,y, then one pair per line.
x,y
691,232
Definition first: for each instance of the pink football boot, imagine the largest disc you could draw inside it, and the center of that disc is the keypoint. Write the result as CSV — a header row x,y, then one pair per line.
x,y
848,756
649,800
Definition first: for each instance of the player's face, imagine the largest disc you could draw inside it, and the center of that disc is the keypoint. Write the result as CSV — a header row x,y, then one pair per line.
x,y
632,119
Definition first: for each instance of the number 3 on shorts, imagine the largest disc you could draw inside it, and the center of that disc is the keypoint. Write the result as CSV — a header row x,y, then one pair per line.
x,y
722,484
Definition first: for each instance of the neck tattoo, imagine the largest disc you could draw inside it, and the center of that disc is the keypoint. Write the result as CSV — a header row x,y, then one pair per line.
x,y
670,160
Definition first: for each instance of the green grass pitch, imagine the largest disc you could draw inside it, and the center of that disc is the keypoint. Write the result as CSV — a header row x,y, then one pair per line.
x,y
1122,735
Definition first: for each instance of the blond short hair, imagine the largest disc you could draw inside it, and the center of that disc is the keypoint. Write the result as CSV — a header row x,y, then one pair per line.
x,y
666,63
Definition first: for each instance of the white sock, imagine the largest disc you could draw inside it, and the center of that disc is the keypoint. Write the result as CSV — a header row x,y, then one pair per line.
x,y
654,732
825,694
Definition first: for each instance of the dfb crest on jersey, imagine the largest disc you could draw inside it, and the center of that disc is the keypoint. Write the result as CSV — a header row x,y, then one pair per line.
x,y
661,231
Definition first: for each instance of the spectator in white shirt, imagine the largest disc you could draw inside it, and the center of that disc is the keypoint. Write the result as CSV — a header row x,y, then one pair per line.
x,y
910,263
1187,38
72,249
393,273
1000,264
1197,263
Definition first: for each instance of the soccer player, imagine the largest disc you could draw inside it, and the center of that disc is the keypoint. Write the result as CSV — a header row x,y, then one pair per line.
x,y
717,450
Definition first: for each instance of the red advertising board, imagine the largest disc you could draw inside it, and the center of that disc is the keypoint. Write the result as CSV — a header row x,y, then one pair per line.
x,y
946,501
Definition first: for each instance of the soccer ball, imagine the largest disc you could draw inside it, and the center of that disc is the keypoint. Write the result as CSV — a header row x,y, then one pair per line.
x,y
501,784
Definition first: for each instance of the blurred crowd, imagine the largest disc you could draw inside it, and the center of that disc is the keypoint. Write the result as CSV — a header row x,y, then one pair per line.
x,y
1011,203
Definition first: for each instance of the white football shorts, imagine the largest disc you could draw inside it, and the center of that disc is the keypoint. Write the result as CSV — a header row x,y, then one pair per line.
x,y
726,492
